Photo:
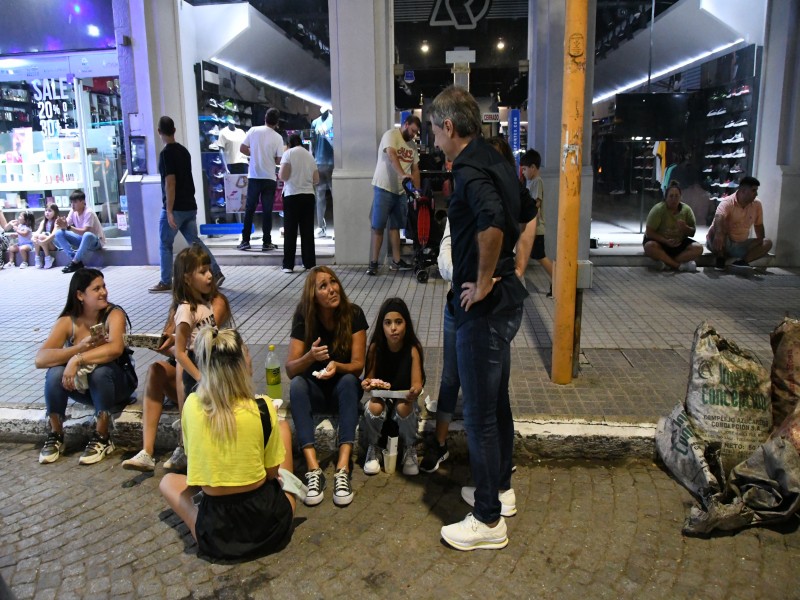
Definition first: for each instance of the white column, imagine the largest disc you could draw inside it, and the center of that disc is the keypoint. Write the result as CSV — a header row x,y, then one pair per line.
x,y
545,87
777,164
361,42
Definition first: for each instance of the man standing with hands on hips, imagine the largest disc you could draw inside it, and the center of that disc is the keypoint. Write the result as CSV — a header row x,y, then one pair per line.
x,y
398,160
179,212
264,146
484,214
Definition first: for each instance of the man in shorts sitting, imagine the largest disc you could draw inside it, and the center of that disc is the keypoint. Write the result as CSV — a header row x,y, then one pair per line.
x,y
398,160
729,234
668,236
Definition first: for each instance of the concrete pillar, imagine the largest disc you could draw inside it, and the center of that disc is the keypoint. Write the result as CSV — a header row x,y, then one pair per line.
x,y
545,85
361,42
777,164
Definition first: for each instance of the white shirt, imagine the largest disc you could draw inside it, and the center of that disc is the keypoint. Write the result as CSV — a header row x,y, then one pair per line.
x,y
385,176
301,178
265,145
229,142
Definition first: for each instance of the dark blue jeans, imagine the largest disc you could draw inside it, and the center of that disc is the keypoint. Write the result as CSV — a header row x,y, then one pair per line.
x,y
450,383
308,395
484,365
109,390
264,190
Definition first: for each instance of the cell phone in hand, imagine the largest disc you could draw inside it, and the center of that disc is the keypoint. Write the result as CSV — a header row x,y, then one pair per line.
x,y
98,331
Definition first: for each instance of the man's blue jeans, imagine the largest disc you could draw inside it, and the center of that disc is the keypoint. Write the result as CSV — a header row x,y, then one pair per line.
x,y
308,396
186,220
484,366
69,241
264,190
109,390
450,383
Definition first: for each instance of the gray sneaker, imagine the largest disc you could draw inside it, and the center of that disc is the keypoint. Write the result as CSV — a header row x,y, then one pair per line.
x,y
176,462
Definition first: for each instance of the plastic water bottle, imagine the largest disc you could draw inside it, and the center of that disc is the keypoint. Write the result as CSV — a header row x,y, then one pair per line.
x,y
273,373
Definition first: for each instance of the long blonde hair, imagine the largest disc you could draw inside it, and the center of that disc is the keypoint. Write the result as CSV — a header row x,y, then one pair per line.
x,y
225,379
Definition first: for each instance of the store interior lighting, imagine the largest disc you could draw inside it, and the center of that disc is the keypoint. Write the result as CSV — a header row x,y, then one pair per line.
x,y
275,84
424,48
666,71
93,30
501,44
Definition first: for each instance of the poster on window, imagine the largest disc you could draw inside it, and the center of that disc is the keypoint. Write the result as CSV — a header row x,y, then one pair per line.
x,y
235,193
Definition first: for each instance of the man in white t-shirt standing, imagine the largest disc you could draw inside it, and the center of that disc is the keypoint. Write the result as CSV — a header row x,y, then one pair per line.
x,y
264,146
398,160
300,175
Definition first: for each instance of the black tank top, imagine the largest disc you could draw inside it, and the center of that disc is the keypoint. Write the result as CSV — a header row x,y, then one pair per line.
x,y
395,368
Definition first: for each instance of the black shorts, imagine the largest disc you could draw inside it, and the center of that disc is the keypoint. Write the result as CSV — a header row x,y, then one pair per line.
x,y
256,522
537,252
672,252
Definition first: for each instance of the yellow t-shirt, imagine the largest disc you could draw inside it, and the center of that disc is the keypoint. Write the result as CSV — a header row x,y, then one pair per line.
x,y
241,461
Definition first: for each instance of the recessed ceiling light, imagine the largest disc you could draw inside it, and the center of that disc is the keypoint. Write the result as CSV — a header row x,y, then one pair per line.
x,y
424,48
500,44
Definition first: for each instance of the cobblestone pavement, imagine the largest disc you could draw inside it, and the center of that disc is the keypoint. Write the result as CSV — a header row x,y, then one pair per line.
x,y
599,530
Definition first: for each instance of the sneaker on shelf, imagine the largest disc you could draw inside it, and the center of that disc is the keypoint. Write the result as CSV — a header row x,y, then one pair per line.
x,y
268,246
49,262
141,462
320,233
373,268
737,168
688,267
72,267
243,246
219,279
471,534
214,131
287,270
410,461
508,500
371,464
707,170
160,288
37,262
96,450
23,265
176,462
315,482
400,265
342,491
434,456
52,449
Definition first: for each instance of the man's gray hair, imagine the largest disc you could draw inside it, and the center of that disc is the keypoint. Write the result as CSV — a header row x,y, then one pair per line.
x,y
458,105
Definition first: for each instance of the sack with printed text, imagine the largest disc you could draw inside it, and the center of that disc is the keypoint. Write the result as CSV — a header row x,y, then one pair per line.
x,y
728,396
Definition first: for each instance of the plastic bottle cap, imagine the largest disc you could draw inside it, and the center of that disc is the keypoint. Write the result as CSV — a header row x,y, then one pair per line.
x,y
271,347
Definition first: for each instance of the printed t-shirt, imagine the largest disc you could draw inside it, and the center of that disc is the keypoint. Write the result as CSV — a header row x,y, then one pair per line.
x,y
241,461
201,316
385,176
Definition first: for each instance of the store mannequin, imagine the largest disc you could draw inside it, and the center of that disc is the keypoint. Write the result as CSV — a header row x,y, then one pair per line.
x,y
230,139
322,147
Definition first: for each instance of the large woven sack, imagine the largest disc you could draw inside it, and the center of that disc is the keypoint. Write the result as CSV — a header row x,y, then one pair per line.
x,y
785,341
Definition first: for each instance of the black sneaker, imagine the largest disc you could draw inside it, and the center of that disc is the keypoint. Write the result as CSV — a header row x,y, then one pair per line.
x,y
269,246
400,265
434,456
342,492
315,481
53,446
243,246
719,263
96,450
373,268
72,267
740,263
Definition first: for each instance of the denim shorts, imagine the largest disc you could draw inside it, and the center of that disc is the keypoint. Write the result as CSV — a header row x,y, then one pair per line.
x,y
390,207
732,249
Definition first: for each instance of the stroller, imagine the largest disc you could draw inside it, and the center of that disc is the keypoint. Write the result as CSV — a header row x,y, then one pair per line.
x,y
426,227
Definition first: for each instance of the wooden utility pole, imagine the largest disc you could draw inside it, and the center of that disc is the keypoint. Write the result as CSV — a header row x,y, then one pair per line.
x,y
569,189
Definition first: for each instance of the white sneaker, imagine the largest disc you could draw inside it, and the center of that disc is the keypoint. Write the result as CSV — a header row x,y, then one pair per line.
x,y
37,262
508,500
688,267
471,534
176,462
410,462
371,464
23,265
320,233
9,265
141,462
48,262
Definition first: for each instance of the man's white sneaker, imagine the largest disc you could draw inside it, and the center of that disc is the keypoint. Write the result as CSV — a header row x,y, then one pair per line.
x,y
508,500
141,462
471,534
371,464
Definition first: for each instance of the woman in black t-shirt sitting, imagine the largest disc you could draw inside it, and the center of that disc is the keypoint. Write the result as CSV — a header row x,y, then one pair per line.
x,y
326,357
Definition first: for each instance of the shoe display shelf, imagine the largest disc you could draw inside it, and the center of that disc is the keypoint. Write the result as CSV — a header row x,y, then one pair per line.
x,y
727,139
643,174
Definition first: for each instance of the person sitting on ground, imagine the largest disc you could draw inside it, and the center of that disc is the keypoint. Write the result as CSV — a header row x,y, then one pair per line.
x,y
161,381
668,235
240,457
736,215
86,360
395,357
326,358
23,227
79,233
44,237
